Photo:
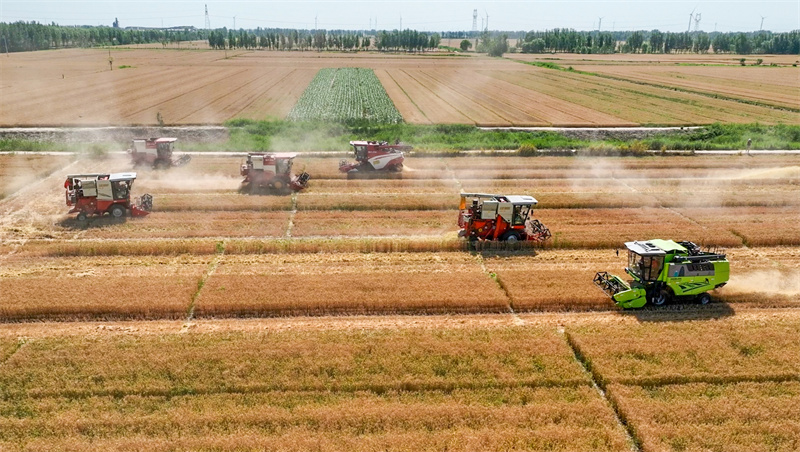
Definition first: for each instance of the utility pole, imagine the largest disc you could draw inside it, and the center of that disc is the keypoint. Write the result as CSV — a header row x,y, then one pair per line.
x,y
762,23
600,24
691,14
401,22
315,22
234,22
208,21
487,19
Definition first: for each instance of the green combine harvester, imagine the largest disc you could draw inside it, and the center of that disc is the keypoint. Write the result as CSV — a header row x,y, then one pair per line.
x,y
664,270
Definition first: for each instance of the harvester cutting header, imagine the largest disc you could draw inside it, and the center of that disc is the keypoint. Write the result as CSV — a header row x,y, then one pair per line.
x,y
663,270
375,159
508,218
97,194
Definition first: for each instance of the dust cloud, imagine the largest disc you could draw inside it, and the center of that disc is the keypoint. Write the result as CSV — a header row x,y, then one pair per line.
x,y
769,282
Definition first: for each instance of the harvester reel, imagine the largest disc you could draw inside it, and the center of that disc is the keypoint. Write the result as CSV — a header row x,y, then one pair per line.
x,y
538,231
183,160
145,202
610,286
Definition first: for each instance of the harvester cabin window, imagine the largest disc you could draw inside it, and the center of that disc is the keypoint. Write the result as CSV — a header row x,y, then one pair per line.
x,y
520,215
283,166
645,267
163,149
361,152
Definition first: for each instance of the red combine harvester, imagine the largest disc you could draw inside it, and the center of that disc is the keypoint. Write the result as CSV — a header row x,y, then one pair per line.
x,y
272,172
97,194
375,159
499,217
156,152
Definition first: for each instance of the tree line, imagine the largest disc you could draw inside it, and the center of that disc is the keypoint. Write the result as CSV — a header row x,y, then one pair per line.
x,y
570,41
28,36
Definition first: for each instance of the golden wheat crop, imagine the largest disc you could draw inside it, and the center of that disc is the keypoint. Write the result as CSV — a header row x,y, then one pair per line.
x,y
301,284
573,418
18,171
736,417
100,287
664,353
373,360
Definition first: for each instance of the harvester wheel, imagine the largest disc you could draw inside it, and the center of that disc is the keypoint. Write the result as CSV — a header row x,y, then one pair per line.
x,y
662,297
117,211
82,217
278,185
510,237
704,298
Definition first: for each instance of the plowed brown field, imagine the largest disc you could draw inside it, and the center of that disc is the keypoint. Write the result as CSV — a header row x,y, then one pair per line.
x,y
194,85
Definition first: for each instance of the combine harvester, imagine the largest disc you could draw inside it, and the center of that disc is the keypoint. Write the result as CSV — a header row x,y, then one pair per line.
x,y
98,194
156,153
375,159
664,270
271,173
507,218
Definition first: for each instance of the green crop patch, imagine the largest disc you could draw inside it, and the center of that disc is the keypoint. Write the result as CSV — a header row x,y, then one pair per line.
x,y
345,95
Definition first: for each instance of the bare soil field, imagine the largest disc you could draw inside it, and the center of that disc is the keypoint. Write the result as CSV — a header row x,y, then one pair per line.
x,y
350,317
193,85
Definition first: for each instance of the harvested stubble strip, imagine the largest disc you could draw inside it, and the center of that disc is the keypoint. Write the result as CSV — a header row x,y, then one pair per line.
x,y
237,362
610,228
393,201
757,226
736,417
95,288
667,353
220,202
572,418
374,223
320,284
184,225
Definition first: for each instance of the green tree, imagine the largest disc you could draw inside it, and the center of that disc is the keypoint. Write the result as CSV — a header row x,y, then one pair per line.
x,y
465,45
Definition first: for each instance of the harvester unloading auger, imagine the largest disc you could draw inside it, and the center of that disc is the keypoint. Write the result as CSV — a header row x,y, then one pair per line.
x,y
664,270
98,194
507,218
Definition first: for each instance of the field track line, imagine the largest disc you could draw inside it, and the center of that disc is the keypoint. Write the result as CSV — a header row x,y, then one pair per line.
x,y
212,267
409,97
20,343
634,441
676,88
291,216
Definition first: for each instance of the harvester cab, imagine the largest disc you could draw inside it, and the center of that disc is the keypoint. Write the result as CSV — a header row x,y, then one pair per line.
x,y
97,194
508,218
156,152
375,159
664,270
272,172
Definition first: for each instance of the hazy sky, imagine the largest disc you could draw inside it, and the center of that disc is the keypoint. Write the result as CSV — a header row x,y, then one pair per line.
x,y
430,15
